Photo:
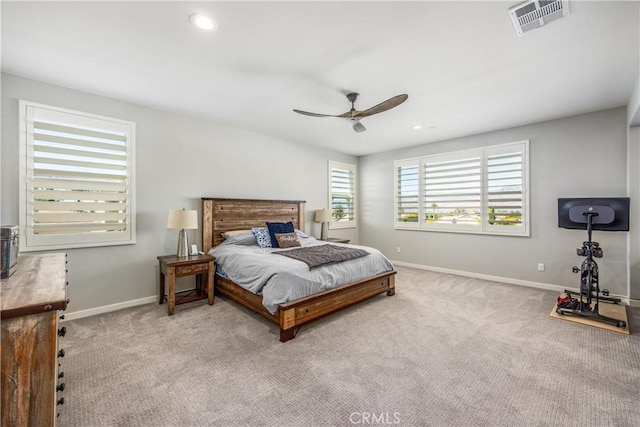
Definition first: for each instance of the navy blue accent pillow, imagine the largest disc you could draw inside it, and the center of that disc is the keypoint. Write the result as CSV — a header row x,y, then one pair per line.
x,y
278,227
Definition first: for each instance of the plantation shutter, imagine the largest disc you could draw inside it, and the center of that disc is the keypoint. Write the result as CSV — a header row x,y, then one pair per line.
x,y
453,191
481,190
408,193
342,194
505,187
79,180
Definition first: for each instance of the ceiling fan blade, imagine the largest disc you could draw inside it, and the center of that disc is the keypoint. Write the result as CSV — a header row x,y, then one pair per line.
x,y
358,127
306,113
354,115
383,106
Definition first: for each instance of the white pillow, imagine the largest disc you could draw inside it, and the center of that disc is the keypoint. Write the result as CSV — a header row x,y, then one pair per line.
x,y
228,234
245,239
301,233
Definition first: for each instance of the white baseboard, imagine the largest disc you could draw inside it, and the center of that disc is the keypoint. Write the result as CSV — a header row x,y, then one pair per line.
x,y
508,280
133,303
108,308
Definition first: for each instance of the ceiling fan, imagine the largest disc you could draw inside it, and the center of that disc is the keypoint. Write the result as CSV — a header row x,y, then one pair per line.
x,y
354,115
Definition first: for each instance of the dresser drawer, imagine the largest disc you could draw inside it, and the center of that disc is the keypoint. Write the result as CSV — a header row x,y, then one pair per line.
x,y
30,356
185,270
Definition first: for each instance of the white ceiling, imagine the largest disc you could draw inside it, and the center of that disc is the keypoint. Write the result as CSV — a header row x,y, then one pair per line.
x,y
461,63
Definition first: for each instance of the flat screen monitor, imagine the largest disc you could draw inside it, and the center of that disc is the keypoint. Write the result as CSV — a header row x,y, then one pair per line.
x,y
612,213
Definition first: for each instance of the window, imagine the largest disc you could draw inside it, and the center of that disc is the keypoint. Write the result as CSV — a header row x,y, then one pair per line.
x,y
408,193
478,191
342,195
76,180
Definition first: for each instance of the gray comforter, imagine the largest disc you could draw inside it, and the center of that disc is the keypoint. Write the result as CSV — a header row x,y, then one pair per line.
x,y
318,255
281,279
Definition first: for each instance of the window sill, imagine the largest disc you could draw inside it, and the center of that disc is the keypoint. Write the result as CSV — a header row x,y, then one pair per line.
x,y
489,233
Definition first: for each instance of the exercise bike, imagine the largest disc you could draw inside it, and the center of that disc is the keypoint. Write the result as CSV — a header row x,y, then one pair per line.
x,y
589,281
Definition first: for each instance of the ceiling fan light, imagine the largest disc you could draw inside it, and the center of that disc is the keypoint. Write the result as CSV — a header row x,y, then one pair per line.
x,y
358,127
203,22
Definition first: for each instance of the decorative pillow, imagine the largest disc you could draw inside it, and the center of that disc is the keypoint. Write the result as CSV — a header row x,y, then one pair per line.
x,y
287,240
278,227
262,237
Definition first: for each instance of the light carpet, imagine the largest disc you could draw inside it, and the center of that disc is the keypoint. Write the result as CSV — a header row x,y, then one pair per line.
x,y
444,351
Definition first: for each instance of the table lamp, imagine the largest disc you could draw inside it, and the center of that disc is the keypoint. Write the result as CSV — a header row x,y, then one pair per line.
x,y
323,216
183,220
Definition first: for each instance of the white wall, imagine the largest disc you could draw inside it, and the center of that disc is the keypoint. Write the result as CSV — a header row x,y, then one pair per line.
x,y
633,183
178,161
633,107
580,156
633,159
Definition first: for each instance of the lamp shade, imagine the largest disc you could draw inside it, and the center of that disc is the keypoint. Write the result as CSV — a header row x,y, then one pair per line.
x,y
183,219
323,215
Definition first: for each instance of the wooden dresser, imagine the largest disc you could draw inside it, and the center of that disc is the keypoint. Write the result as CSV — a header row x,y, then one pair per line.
x,y
31,301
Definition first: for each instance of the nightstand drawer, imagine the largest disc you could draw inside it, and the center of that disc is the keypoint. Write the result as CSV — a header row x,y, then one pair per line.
x,y
185,270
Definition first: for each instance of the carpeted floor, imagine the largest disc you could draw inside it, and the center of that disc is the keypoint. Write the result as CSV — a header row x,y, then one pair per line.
x,y
444,351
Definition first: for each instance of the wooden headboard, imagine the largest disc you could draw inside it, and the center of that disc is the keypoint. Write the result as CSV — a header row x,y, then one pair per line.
x,y
220,215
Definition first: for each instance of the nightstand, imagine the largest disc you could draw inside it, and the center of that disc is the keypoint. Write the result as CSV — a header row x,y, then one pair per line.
x,y
337,240
202,266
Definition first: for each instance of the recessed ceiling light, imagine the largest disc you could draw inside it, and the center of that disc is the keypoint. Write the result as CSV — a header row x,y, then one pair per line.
x,y
203,22
417,127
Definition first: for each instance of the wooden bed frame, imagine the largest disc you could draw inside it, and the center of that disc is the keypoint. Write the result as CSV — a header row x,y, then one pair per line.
x,y
220,215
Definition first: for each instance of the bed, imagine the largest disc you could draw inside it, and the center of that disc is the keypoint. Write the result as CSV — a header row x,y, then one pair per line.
x,y
224,215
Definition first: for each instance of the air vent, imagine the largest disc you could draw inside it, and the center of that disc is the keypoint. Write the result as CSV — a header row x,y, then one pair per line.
x,y
534,14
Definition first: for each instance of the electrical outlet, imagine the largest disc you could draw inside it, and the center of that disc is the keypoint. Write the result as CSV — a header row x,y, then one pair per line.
x,y
540,266
398,249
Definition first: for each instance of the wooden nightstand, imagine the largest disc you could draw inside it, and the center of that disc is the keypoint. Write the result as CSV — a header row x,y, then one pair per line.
x,y
337,240
203,266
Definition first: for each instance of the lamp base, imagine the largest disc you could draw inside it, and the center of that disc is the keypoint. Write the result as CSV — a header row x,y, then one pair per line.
x,y
183,244
324,234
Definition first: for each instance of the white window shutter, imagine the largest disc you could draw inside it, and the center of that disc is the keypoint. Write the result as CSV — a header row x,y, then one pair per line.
x,y
506,189
453,192
407,186
342,195
78,179
482,190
